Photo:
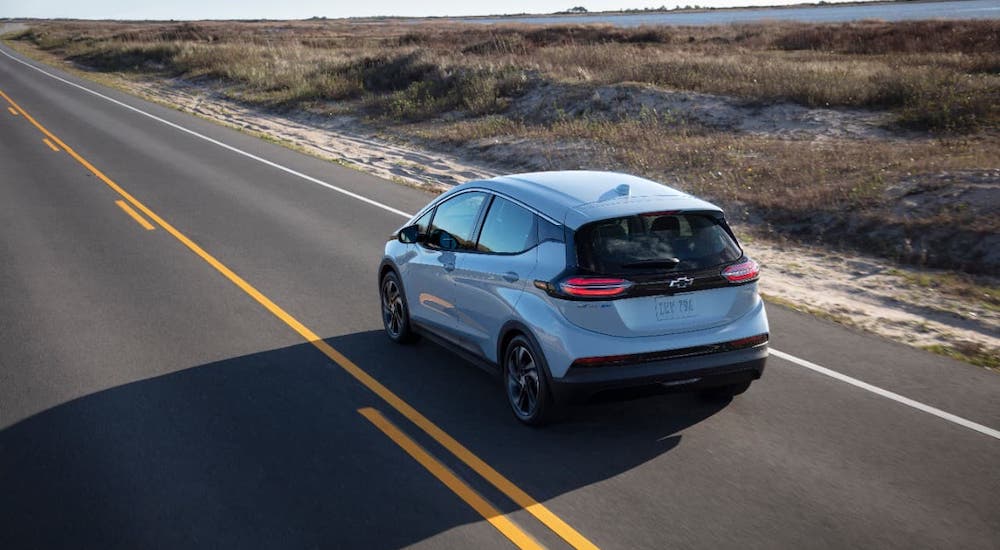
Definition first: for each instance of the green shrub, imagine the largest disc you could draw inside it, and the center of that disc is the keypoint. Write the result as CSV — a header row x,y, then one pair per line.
x,y
476,91
130,57
391,74
953,103
875,38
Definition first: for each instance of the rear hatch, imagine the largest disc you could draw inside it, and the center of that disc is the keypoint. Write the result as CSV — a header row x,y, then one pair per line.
x,y
657,273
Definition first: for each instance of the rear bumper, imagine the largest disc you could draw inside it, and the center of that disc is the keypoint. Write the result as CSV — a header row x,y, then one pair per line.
x,y
563,343
684,373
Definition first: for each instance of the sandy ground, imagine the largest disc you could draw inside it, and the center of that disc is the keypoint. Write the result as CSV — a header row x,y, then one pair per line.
x,y
869,293
8,27
338,138
863,292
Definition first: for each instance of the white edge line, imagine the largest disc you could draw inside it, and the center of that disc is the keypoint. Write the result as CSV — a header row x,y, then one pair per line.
x,y
888,394
296,173
779,354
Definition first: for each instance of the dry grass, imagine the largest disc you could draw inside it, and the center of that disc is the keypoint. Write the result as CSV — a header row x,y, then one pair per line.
x,y
453,85
829,192
937,75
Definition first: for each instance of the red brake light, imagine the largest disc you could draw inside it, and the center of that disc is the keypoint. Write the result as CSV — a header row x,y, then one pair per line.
x,y
742,272
594,287
663,213
748,342
600,361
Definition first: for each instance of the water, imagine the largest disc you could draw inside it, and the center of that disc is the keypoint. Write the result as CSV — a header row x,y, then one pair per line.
x,y
959,9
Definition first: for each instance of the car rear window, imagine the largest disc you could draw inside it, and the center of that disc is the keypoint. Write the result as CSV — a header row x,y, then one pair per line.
x,y
655,241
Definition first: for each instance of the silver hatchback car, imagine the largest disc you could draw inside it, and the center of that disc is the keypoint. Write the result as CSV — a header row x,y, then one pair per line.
x,y
572,284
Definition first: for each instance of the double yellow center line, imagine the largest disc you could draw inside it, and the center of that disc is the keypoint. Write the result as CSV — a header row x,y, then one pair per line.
x,y
135,215
507,487
452,481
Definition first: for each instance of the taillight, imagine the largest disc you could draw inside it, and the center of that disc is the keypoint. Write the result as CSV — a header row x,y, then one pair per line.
x,y
594,287
601,361
748,342
742,272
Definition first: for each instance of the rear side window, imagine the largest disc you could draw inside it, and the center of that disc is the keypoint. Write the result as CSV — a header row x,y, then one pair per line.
x,y
508,229
454,221
549,231
656,241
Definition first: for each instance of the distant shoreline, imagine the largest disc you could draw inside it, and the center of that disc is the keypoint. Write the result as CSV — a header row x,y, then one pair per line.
x,y
658,11
513,17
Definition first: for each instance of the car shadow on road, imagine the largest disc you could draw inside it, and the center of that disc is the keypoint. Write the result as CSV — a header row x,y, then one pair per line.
x,y
599,441
268,450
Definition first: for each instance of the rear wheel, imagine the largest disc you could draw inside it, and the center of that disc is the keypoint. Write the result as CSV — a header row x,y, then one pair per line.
x,y
722,393
525,382
395,313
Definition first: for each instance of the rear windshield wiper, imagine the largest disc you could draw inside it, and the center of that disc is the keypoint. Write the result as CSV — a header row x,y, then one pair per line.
x,y
658,262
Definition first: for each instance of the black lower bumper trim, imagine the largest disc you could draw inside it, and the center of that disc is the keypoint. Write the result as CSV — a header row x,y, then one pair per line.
x,y
680,374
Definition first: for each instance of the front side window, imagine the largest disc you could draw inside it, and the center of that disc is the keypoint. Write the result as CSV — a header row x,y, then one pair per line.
x,y
423,223
508,229
454,221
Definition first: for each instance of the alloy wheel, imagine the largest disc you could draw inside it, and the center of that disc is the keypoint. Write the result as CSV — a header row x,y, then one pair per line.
x,y
392,308
522,381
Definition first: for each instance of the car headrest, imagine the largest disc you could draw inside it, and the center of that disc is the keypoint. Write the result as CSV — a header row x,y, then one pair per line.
x,y
666,223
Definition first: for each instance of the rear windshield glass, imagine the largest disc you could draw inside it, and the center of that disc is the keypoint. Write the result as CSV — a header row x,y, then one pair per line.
x,y
673,241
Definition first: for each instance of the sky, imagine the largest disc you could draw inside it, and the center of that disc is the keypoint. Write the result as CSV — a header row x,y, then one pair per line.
x,y
302,9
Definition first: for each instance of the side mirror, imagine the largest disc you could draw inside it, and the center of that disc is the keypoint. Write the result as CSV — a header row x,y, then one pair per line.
x,y
410,234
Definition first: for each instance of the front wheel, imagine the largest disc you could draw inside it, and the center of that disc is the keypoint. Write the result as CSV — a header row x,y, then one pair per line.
x,y
525,382
395,313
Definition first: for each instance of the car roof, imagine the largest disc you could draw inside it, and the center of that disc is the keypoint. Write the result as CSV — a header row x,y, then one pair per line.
x,y
576,197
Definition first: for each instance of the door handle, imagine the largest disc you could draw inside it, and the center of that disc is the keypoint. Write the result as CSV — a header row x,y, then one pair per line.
x,y
510,277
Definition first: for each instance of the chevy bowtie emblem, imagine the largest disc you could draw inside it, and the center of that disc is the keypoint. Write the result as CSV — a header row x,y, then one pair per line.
x,y
681,282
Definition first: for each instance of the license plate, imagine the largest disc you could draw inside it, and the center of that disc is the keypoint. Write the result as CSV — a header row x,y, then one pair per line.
x,y
669,309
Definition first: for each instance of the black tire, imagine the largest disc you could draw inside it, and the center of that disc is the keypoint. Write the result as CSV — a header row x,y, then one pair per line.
x,y
395,312
525,382
723,393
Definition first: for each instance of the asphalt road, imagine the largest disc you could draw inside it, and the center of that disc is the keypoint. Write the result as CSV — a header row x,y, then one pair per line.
x,y
158,390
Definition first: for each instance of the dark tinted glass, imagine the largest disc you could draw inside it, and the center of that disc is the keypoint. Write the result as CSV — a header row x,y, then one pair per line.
x,y
457,217
549,231
508,228
655,241
424,222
